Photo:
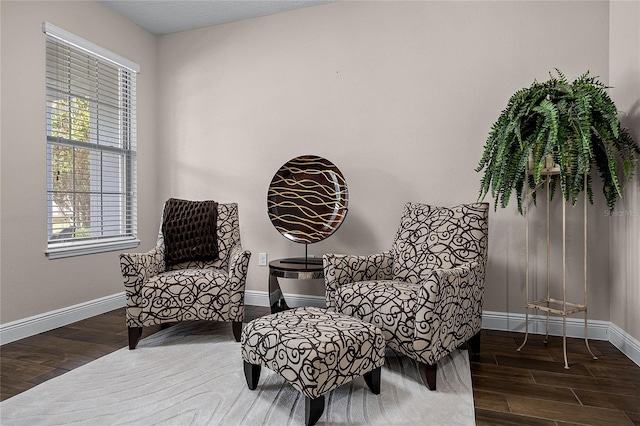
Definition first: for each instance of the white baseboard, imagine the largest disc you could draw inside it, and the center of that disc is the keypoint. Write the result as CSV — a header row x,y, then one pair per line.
x,y
36,324
504,321
597,329
626,343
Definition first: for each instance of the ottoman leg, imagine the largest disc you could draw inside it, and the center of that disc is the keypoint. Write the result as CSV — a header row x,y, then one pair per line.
x,y
372,378
313,409
252,374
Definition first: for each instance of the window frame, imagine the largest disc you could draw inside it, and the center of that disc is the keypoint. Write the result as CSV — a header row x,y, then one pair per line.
x,y
127,153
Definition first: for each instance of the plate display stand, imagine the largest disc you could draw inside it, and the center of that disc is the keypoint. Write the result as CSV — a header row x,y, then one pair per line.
x,y
548,304
307,201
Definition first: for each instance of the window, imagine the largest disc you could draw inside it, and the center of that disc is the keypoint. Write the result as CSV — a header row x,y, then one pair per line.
x,y
91,147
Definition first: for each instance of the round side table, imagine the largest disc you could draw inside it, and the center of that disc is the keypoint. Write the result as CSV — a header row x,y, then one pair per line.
x,y
298,268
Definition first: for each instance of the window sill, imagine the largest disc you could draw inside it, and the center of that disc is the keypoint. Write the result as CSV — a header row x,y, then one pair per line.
x,y
59,251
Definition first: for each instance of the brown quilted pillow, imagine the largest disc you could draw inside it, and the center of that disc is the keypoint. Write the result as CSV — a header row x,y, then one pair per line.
x,y
189,229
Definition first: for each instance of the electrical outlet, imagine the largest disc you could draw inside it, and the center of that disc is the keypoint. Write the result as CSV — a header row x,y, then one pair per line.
x,y
262,259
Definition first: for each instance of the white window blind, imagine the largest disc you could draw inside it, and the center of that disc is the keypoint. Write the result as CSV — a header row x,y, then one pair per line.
x,y
91,147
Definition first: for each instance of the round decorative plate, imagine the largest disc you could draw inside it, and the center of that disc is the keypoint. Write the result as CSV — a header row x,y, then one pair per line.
x,y
307,199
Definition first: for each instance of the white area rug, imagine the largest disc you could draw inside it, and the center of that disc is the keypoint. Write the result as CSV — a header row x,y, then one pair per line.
x,y
191,374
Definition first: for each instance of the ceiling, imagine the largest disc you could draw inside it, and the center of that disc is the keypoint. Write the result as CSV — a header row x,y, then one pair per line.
x,y
169,16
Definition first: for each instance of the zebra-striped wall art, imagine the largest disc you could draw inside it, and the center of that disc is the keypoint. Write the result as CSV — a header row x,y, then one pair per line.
x,y
307,199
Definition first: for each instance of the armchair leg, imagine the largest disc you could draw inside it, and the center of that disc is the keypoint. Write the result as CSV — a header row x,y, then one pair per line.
x,y
428,374
237,329
372,379
134,336
474,347
313,409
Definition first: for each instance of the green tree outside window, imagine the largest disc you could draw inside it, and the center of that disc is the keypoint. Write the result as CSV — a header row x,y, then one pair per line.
x,y
71,165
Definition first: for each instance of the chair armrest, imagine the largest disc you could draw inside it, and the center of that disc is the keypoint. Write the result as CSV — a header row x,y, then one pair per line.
x,y
238,267
448,310
341,269
137,268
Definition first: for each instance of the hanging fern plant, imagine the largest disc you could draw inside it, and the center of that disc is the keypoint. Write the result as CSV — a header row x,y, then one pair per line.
x,y
575,123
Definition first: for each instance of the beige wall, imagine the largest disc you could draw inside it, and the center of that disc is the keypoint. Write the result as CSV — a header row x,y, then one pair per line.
x,y
624,241
30,283
399,95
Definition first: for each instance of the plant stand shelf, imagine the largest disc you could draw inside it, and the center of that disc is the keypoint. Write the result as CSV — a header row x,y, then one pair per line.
x,y
548,304
561,307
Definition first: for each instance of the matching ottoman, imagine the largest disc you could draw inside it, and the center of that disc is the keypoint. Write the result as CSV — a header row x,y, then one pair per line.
x,y
315,350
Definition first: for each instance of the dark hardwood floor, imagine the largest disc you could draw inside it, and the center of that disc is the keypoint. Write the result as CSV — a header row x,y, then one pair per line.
x,y
510,388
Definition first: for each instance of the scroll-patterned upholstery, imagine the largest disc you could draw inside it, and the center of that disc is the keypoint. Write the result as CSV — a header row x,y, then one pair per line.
x,y
313,349
341,269
386,304
426,293
431,238
190,290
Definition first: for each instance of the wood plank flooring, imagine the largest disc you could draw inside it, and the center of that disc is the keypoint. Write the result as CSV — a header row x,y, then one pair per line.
x,y
530,387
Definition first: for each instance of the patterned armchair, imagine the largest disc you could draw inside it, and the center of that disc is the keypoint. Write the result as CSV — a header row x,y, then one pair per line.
x,y
159,293
426,293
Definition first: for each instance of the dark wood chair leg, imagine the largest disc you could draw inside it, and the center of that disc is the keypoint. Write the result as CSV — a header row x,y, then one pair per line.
x,y
237,329
252,374
313,409
428,374
134,336
372,378
473,346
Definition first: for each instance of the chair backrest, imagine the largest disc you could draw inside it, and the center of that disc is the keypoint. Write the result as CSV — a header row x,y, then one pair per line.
x,y
228,233
432,237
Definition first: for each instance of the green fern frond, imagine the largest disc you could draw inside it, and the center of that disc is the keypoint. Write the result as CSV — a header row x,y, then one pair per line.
x,y
576,123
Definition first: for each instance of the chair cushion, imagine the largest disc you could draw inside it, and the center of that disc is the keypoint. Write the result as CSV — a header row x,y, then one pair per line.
x,y
189,230
432,237
184,295
386,304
